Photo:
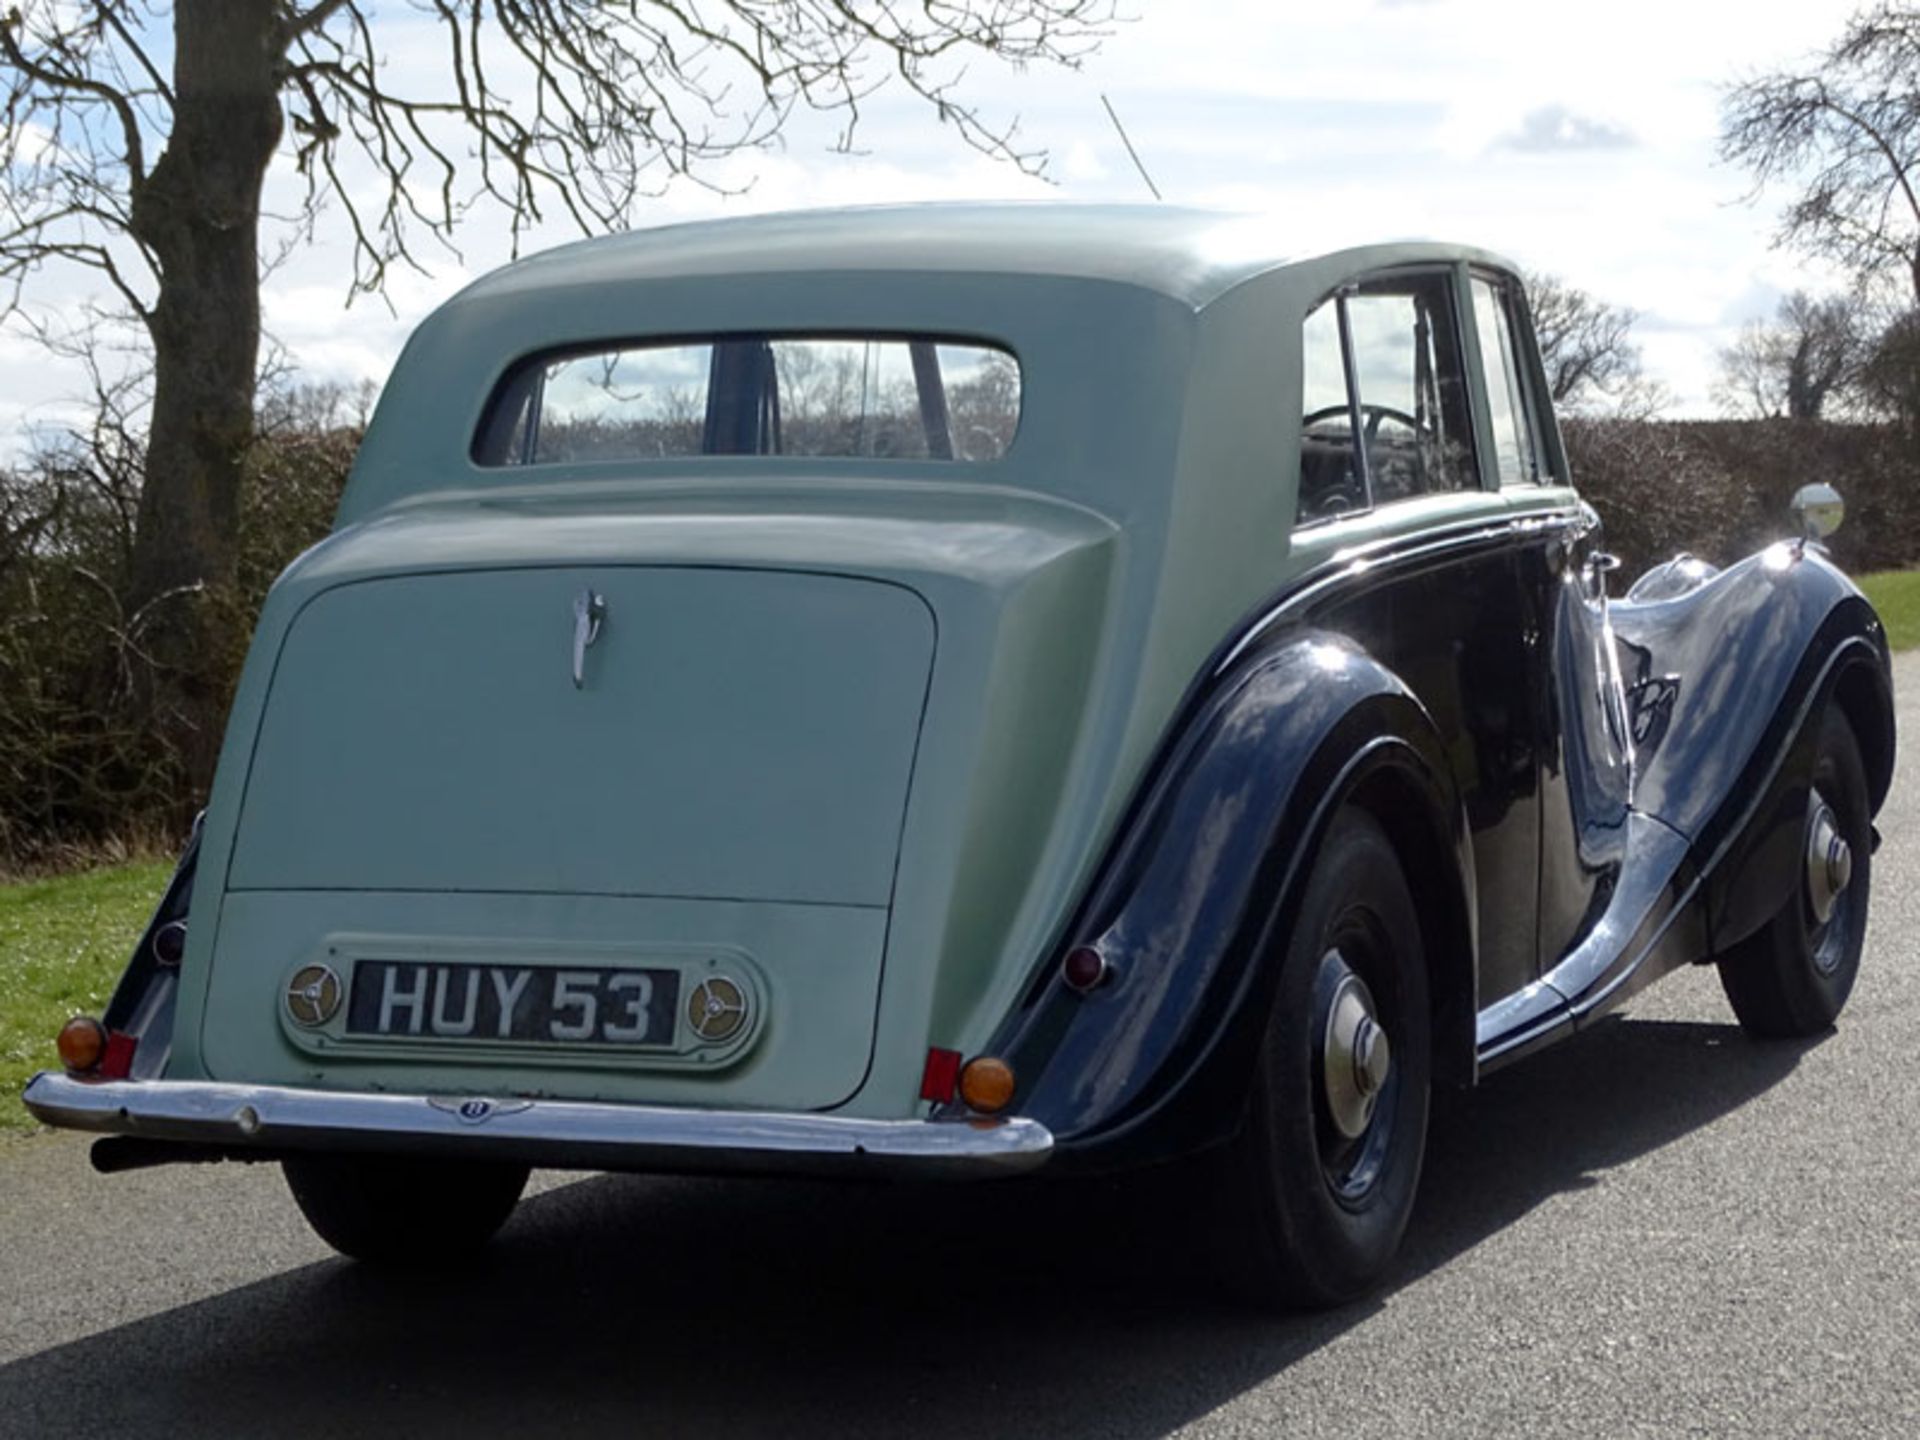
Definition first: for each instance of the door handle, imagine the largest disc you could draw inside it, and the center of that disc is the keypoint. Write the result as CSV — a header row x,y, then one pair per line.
x,y
1599,565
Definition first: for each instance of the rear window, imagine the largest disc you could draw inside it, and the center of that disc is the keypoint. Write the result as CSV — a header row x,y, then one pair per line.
x,y
855,397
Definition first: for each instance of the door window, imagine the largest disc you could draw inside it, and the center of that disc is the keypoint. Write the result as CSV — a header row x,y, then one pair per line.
x,y
1515,453
1382,363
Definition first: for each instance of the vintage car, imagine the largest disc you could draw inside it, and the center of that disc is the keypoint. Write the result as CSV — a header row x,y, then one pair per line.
x,y
971,690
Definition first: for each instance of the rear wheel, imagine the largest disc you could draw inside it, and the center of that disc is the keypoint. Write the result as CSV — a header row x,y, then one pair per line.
x,y
1321,1180
1793,975
400,1210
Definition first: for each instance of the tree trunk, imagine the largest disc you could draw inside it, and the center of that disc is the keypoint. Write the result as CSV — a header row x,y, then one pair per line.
x,y
198,212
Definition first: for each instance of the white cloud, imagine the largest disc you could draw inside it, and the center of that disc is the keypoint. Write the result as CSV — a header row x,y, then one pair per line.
x,y
1555,129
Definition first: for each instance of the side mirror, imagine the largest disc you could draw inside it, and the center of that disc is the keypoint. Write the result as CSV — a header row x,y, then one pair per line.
x,y
1819,509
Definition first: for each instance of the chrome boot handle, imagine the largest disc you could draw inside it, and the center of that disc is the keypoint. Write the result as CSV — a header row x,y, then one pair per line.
x,y
589,609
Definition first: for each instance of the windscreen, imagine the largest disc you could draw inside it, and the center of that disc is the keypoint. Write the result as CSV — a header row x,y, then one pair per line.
x,y
861,397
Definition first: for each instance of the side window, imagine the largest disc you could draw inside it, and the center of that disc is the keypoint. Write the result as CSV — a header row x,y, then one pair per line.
x,y
1385,357
1516,454
1330,480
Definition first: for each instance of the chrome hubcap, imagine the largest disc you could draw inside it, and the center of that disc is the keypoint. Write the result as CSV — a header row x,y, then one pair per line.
x,y
1356,1058
1829,860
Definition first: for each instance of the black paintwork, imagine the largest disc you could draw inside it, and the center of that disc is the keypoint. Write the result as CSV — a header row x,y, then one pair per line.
x,y
143,1002
1587,795
1751,659
1184,910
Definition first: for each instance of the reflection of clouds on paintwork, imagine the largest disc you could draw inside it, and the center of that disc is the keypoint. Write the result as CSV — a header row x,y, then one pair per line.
x,y
1554,129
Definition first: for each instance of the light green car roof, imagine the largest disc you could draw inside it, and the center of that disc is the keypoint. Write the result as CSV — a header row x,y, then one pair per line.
x,y
1188,255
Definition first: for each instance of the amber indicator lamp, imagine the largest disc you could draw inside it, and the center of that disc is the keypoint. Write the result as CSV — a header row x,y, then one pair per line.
x,y
82,1044
986,1084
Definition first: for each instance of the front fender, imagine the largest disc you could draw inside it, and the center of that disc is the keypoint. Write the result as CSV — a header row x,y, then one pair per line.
x,y
1186,906
1726,683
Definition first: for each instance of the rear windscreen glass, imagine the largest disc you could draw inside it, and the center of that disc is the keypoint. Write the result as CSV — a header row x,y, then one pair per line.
x,y
866,397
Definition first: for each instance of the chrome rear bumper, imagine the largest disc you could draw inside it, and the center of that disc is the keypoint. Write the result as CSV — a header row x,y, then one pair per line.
x,y
558,1134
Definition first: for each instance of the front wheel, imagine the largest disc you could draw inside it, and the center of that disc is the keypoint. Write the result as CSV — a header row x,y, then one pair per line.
x,y
1792,976
400,1210
1321,1179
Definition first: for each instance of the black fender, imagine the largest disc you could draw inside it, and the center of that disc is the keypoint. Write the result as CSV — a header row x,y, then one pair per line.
x,y
1197,886
1727,683
143,1002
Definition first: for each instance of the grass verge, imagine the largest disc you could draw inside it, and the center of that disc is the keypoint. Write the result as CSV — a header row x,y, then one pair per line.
x,y
63,943
1896,595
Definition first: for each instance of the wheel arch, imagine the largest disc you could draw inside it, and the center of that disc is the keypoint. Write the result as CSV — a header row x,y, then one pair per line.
x,y
1193,898
1865,698
1750,853
1442,896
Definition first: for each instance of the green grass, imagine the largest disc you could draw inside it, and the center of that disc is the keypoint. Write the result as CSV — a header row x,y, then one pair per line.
x,y
1896,595
63,944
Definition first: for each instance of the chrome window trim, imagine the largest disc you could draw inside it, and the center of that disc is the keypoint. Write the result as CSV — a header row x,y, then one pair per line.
x,y
1514,372
1350,366
1550,457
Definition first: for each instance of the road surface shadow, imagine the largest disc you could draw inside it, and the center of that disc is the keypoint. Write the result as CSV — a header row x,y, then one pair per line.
x,y
721,1308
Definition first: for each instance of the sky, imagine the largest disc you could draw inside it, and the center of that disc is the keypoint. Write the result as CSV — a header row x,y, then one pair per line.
x,y
1579,140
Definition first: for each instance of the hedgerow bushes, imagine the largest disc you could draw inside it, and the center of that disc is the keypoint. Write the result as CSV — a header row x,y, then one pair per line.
x,y
1720,488
86,768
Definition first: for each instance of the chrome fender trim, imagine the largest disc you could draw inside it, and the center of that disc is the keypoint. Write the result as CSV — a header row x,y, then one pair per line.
x,y
557,1134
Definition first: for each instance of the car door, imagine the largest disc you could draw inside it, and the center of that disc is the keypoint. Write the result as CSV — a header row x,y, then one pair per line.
x,y
1440,599
1583,740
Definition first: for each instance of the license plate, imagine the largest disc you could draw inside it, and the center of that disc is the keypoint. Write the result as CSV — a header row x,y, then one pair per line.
x,y
545,1004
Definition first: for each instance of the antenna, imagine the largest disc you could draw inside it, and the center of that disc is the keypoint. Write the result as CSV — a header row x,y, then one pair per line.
x,y
1134,154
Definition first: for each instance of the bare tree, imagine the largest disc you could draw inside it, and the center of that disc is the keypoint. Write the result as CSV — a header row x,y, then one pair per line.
x,y
1846,132
1591,362
1887,382
1796,364
136,140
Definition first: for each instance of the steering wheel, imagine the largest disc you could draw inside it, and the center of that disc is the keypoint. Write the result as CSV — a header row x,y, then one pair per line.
x,y
1331,498
1370,418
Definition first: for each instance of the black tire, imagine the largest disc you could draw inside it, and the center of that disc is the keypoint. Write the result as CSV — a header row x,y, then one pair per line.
x,y
402,1211
1314,1217
1792,977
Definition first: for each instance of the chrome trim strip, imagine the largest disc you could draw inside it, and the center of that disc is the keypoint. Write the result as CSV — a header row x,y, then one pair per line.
x,y
557,1134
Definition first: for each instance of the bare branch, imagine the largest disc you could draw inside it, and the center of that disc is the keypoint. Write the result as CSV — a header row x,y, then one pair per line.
x,y
1807,357
590,105
312,18
1584,344
110,17
61,77
1846,136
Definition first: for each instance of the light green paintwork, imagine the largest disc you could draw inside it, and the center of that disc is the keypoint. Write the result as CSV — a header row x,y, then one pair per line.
x,y
1071,593
607,789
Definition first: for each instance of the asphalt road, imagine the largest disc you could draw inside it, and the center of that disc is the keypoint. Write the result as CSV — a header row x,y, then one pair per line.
x,y
1658,1228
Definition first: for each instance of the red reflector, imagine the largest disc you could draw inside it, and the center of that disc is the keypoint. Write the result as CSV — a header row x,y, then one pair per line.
x,y
941,1077
1085,969
117,1063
